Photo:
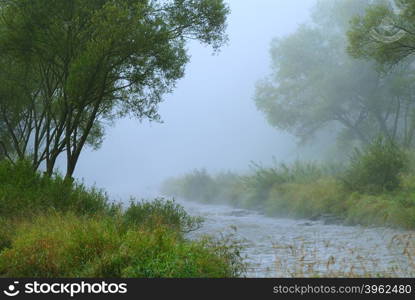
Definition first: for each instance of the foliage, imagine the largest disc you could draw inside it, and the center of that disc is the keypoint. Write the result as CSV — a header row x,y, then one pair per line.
x,y
7,230
50,227
24,192
198,186
382,193
250,190
316,87
69,68
385,33
259,184
161,212
66,245
305,200
376,169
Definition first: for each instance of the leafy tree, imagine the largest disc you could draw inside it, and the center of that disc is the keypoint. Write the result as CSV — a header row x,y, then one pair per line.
x,y
90,62
377,168
386,32
16,118
315,85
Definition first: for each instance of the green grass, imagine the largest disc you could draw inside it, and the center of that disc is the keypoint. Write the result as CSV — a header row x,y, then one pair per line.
x,y
311,190
160,212
66,245
53,228
24,192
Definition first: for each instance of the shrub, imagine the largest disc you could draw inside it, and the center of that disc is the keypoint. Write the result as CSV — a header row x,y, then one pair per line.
x,y
25,192
376,169
196,186
249,191
308,200
161,212
199,186
66,245
265,181
7,228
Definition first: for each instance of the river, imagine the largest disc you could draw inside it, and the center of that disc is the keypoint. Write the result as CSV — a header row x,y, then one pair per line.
x,y
276,247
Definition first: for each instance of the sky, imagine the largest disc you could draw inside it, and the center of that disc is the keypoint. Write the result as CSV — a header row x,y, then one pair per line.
x,y
210,120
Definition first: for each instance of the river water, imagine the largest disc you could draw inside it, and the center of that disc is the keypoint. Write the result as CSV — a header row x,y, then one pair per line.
x,y
276,247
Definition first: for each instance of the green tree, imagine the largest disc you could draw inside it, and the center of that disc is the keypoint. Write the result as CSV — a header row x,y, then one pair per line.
x,y
385,33
16,110
315,85
90,62
376,168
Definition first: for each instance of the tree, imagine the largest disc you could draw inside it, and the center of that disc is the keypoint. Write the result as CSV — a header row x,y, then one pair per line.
x,y
16,118
316,85
90,62
385,33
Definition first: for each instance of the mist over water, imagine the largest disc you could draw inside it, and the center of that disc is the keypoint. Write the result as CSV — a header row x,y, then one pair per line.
x,y
210,120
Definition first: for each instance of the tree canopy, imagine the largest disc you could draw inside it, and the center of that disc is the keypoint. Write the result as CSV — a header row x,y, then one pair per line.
x,y
385,33
69,67
315,85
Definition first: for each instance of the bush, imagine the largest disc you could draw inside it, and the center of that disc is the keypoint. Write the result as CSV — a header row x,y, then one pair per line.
x,y
7,229
306,200
50,227
376,169
196,186
66,245
161,212
200,186
25,192
250,191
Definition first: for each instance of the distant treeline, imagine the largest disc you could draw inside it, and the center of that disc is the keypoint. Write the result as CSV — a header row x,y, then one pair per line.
x,y
376,187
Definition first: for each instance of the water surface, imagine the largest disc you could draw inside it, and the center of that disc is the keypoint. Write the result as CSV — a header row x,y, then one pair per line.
x,y
277,247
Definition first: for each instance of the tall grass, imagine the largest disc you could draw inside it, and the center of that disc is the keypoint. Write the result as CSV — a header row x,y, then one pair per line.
x,y
25,192
50,227
300,259
251,190
161,212
66,245
376,187
263,183
377,168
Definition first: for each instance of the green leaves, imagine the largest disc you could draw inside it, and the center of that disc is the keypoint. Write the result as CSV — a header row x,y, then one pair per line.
x,y
316,86
97,60
376,169
384,34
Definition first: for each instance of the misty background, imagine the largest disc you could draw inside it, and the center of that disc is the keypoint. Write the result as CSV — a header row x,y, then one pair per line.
x,y
210,120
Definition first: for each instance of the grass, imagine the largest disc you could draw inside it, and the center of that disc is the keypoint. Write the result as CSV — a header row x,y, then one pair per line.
x,y
53,228
24,192
66,245
160,212
302,260
373,189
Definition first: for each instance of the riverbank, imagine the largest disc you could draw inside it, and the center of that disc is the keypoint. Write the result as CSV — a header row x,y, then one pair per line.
x,y
50,227
326,199
323,198
376,188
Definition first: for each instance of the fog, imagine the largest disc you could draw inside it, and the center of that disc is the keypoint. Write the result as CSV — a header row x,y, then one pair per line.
x,y
291,144
210,120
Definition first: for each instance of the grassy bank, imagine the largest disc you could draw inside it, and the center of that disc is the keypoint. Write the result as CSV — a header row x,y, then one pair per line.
x,y
53,228
376,187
